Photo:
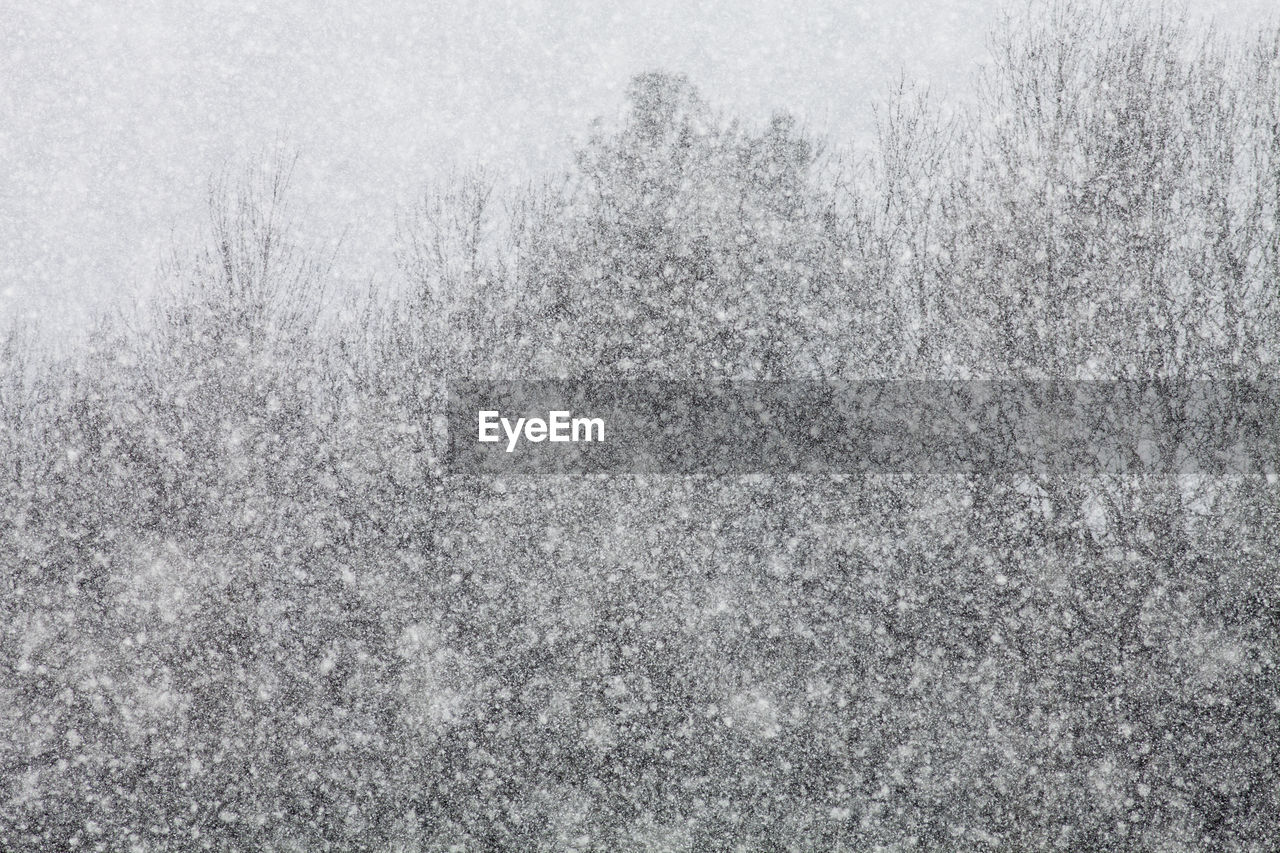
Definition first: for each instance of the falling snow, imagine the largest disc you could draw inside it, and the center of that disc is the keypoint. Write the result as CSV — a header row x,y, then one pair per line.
x,y
247,604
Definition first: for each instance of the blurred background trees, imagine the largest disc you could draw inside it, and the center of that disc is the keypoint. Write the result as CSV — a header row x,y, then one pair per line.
x,y
244,608
1112,217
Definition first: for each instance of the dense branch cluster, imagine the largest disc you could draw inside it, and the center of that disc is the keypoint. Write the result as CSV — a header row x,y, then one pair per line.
x,y
242,607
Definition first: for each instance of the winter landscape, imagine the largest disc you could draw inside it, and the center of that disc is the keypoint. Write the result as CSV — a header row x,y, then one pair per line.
x,y
246,605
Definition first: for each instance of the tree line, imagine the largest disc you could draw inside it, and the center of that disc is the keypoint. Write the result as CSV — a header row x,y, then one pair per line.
x,y
244,608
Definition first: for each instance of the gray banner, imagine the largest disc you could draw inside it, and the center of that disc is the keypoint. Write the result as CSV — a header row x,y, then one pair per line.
x,y
865,426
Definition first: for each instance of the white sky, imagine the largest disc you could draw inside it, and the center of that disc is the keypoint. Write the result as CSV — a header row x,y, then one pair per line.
x,y
114,115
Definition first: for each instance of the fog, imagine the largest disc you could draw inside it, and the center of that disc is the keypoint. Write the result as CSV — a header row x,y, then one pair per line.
x,y
116,115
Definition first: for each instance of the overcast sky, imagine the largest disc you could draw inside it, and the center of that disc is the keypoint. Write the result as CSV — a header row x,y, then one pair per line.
x,y
115,114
